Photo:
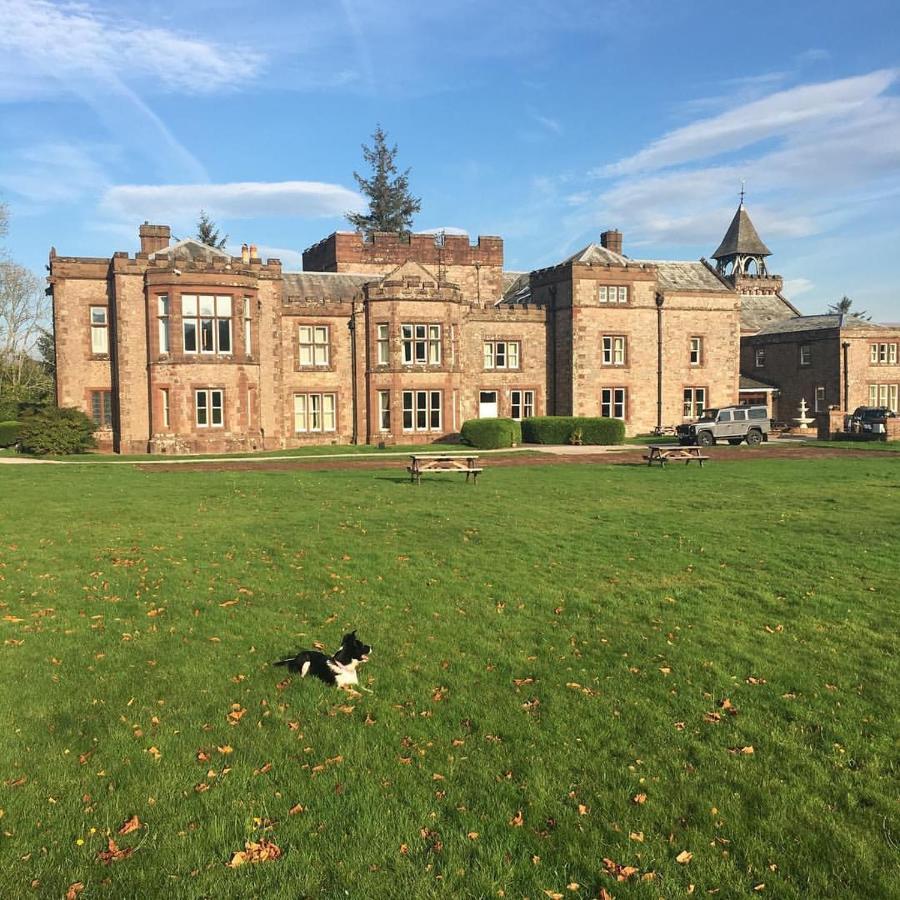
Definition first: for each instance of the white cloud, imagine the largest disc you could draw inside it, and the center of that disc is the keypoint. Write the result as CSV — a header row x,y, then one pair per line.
x,y
786,114
55,172
236,200
45,47
794,287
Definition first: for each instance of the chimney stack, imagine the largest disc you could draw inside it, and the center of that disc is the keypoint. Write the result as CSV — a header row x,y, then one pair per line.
x,y
245,254
612,240
254,253
154,237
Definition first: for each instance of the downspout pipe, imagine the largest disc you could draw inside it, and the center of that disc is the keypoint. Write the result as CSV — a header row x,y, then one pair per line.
x,y
845,346
660,299
351,325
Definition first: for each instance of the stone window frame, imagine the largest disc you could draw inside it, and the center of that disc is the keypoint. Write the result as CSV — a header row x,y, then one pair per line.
x,y
493,344
98,328
429,409
198,319
382,343
209,407
603,296
384,424
105,420
163,317
428,342
612,402
693,413
321,396
805,355
247,324
165,407
313,345
523,406
295,338
888,391
701,350
608,354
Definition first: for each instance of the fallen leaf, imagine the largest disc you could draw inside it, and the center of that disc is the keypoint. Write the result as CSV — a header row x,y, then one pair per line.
x,y
679,726
752,680
637,836
582,810
684,857
112,853
759,887
266,767
639,799
712,717
129,825
228,603
154,752
666,670
745,751
73,890
202,756
605,895
255,852
472,835
296,809
518,820
729,707
404,849
620,873
573,886
554,895
236,714
225,748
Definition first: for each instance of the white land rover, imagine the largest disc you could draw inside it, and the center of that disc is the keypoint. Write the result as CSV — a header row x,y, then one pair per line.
x,y
731,423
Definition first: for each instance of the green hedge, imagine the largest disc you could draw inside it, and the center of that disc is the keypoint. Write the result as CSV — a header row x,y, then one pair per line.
x,y
572,429
58,430
9,433
491,434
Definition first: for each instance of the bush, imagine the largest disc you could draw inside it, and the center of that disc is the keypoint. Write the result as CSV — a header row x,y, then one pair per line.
x,y
567,429
56,430
491,434
9,433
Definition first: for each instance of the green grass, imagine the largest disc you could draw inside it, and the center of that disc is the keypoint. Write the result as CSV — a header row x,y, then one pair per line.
x,y
139,606
891,446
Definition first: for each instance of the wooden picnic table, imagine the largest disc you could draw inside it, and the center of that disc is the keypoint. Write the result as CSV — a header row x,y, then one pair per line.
x,y
674,453
421,464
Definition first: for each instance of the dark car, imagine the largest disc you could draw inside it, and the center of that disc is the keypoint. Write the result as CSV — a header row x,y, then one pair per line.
x,y
865,418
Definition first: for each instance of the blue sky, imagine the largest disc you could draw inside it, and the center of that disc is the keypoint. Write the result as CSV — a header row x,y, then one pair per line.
x,y
544,121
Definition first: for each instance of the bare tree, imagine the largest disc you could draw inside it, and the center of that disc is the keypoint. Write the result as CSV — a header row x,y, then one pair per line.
x,y
24,310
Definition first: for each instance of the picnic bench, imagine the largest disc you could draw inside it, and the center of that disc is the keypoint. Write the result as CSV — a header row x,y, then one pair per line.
x,y
670,452
423,464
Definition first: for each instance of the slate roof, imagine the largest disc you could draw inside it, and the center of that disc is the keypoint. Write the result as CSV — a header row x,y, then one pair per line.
x,y
741,237
761,310
754,384
686,276
516,288
193,250
817,323
325,286
594,254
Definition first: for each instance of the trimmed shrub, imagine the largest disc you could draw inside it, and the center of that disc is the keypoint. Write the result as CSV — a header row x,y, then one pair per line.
x,y
491,434
56,430
9,433
569,429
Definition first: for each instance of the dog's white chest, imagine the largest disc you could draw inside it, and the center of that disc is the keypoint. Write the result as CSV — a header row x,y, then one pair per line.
x,y
343,675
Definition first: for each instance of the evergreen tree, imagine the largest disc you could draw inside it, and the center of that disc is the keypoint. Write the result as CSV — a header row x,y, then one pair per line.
x,y
842,307
208,232
391,206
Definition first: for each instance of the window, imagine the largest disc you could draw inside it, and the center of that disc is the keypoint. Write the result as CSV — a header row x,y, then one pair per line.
x,y
521,404
101,408
694,402
164,399
696,351
884,395
501,354
724,415
883,354
384,410
209,408
314,345
162,313
248,328
99,330
614,350
421,344
805,355
610,294
421,410
612,402
382,344
760,357
206,323
820,399
314,412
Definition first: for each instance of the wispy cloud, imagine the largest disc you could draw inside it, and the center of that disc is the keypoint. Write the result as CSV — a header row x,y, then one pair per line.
x,y
179,203
52,172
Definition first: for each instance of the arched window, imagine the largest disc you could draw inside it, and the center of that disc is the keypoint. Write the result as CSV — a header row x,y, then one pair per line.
x,y
751,268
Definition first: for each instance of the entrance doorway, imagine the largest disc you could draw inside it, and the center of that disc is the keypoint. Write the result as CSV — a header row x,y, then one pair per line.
x,y
487,405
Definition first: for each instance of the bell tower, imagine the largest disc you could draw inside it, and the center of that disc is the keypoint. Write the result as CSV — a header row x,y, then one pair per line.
x,y
742,253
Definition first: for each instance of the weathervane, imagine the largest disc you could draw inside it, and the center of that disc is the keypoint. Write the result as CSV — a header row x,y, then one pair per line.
x,y
742,192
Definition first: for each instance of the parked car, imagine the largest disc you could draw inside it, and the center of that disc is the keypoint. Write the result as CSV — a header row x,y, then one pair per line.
x,y
867,418
731,423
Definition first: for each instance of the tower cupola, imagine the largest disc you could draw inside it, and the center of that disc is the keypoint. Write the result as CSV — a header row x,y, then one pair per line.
x,y
742,252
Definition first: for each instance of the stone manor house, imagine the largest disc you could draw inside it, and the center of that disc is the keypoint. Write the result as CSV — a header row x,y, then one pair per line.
x,y
400,339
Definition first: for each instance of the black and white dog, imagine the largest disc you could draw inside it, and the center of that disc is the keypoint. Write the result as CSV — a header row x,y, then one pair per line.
x,y
339,670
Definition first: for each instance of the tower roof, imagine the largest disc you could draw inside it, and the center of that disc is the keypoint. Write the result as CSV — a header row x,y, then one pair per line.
x,y
741,237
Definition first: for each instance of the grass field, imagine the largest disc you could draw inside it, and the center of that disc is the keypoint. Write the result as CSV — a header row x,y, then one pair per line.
x,y
570,666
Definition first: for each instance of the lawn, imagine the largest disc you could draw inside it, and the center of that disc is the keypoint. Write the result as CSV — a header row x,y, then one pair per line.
x,y
689,673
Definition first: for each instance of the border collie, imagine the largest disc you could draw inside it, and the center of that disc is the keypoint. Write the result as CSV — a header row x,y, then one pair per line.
x,y
339,670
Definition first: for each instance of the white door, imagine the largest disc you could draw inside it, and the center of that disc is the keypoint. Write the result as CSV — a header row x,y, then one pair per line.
x,y
487,405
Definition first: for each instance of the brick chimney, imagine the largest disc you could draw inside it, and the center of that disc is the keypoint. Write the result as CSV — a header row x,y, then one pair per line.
x,y
612,240
154,237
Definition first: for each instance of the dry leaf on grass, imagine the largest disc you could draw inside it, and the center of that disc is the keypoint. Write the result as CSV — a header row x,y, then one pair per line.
x,y
73,890
620,873
639,799
129,825
254,852
518,820
684,857
112,853
741,751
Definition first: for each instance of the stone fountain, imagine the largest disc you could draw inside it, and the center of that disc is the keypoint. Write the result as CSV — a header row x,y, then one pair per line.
x,y
804,420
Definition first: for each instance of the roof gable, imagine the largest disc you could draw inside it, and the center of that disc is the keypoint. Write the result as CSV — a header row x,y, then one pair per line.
x,y
191,249
741,238
594,254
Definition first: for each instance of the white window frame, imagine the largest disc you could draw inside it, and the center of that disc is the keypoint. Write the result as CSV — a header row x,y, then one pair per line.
x,y
315,412
883,355
806,354
422,411
313,346
99,330
820,404
522,402
503,355
696,350
759,357
693,402
248,326
210,315
384,410
166,411
614,403
211,408
383,344
421,343
885,395
614,349
612,293
162,312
